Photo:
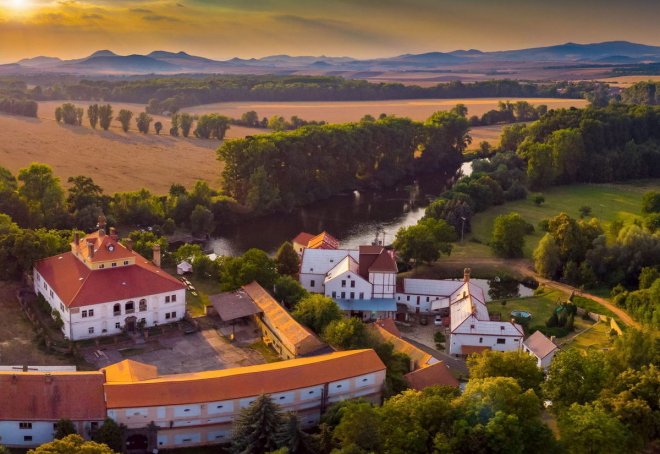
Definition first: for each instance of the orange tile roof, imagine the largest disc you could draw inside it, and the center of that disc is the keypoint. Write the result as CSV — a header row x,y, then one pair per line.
x,y
298,339
323,241
227,384
39,396
77,285
420,357
129,370
303,238
105,248
435,374
470,349
388,325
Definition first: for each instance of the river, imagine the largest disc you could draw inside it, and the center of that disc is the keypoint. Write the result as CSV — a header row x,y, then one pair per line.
x,y
354,219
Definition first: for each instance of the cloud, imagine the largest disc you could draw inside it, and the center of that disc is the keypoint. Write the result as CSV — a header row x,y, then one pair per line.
x,y
92,16
141,10
160,18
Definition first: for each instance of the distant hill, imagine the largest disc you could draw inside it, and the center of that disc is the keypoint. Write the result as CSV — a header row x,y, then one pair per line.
x,y
165,62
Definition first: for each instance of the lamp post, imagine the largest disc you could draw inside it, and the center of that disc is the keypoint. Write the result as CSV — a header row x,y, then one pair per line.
x,y
462,227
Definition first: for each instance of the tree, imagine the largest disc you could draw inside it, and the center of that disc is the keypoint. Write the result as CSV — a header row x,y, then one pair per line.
x,y
651,202
585,211
124,118
143,122
83,192
64,427
589,429
44,194
575,378
277,123
93,115
80,113
546,257
539,200
58,114
540,170
212,126
111,434
158,126
201,221
291,436
289,291
287,259
520,366
359,427
509,235
188,252
425,241
69,114
254,265
346,334
250,118
105,116
256,428
317,312
647,276
185,122
73,444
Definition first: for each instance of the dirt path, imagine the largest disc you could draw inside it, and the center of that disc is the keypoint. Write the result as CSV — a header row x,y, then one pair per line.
x,y
525,267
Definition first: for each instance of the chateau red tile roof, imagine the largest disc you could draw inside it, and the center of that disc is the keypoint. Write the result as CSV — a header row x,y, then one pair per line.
x,y
388,325
435,374
77,285
39,396
105,248
303,238
470,349
227,384
384,262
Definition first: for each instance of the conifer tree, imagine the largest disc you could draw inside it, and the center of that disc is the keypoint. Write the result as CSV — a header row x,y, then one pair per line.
x,y
257,426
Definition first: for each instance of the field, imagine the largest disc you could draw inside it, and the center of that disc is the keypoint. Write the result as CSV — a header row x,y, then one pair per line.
x,y
490,134
608,202
626,81
18,343
345,111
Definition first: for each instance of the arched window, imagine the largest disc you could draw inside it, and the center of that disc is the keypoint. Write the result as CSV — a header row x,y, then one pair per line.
x,y
129,307
143,305
116,309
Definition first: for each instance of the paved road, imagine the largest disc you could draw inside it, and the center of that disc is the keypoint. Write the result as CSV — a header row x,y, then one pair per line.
x,y
526,268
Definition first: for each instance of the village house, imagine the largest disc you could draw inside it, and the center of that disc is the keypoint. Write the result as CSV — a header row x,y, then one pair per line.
x,y
31,404
472,330
362,282
102,287
541,348
306,240
181,411
426,295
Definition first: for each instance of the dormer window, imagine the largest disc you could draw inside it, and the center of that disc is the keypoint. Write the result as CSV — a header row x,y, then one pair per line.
x,y
111,247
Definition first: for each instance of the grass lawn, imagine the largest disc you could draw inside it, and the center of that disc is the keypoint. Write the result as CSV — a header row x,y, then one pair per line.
x,y
196,305
540,306
268,353
608,202
598,337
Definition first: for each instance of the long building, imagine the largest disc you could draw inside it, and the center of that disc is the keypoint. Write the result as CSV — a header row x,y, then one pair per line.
x,y
178,411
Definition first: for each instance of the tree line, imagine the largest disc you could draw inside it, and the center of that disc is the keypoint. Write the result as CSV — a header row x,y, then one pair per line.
x,y
19,106
170,94
287,169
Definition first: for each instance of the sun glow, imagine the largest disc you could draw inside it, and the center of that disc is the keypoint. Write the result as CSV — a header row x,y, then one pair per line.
x,y
18,4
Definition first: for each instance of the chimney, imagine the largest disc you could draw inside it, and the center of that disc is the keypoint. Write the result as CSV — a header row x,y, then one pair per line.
x,y
76,238
101,233
90,250
113,233
156,259
128,243
552,339
466,275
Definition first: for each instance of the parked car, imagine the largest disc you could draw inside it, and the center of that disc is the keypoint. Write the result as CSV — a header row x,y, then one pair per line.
x,y
423,320
438,320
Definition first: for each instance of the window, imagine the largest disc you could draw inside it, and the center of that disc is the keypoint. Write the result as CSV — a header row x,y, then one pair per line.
x,y
501,341
361,295
143,305
481,340
173,314
114,264
343,283
84,314
312,283
167,299
167,316
343,295
352,284
352,295
91,312
101,266
334,294
116,309
51,293
408,298
90,330
471,326
118,325
129,307
427,299
27,438
125,262
173,298
25,425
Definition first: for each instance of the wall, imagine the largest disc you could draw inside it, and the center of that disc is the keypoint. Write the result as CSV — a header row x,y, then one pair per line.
x,y
307,278
284,349
384,284
360,286
11,435
458,340
424,304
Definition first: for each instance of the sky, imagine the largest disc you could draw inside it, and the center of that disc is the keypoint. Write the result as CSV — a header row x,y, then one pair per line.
x,y
224,29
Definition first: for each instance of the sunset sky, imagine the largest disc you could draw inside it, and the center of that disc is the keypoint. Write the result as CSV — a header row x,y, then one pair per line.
x,y
224,29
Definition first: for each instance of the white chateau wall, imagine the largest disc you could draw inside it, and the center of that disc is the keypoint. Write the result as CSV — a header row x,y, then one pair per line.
x,y
306,281
353,283
484,340
420,303
384,284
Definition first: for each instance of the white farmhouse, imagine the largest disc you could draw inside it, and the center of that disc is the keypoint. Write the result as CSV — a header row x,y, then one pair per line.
x,y
362,282
541,348
426,295
472,330
102,287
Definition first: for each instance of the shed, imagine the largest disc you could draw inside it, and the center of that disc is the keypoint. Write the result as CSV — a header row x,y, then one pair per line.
x,y
232,306
183,268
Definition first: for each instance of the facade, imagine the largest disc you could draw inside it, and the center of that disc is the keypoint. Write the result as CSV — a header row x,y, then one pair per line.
x,y
196,409
426,295
33,402
472,330
102,287
541,348
279,329
362,282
